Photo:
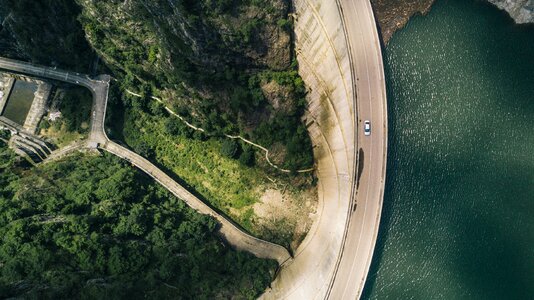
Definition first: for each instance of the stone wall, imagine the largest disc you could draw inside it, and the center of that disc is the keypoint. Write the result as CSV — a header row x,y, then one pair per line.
x,y
38,108
6,84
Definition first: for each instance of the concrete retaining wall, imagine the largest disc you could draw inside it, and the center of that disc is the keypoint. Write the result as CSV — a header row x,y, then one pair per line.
x,y
38,108
7,86
325,66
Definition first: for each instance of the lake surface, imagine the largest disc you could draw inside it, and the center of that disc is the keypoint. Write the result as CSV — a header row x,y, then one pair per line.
x,y
19,102
458,217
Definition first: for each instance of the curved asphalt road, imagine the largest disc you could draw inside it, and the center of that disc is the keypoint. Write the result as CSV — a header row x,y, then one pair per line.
x,y
368,70
362,227
99,88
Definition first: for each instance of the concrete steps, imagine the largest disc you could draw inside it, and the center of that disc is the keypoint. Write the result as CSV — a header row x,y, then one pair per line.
x,y
31,147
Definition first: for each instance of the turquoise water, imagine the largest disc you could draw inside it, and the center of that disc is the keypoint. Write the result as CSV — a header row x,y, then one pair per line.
x,y
19,102
458,218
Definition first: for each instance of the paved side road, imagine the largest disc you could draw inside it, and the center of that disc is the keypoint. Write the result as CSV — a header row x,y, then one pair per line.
x,y
228,230
99,88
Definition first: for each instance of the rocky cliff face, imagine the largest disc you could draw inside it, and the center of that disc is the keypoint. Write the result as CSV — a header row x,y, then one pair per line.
x,y
214,60
394,14
45,31
522,11
188,37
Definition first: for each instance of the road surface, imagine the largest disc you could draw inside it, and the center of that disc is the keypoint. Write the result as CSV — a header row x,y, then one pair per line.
x,y
340,60
99,88
368,70
228,230
312,275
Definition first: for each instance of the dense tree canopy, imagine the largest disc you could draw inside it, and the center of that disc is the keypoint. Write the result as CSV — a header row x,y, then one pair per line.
x,y
46,32
94,227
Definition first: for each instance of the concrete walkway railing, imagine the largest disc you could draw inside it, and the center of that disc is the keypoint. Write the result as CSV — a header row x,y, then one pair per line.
x,y
99,88
235,236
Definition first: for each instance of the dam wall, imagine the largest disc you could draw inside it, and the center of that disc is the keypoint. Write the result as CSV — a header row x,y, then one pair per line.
x,y
6,85
325,66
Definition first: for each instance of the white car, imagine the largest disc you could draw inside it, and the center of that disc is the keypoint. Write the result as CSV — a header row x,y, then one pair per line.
x,y
367,127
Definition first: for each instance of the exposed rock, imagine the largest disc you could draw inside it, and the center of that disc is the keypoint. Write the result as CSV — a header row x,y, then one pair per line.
x,y
522,11
279,97
199,53
394,14
45,32
197,34
280,205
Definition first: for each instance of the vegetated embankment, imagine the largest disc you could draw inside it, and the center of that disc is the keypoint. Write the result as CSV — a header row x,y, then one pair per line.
x,y
325,66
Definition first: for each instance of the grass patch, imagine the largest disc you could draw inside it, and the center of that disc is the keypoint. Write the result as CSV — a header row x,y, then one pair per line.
x,y
75,105
60,135
224,182
90,227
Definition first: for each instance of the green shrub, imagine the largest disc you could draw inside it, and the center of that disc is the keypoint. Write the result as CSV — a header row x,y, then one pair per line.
x,y
157,109
5,134
89,227
230,148
249,30
152,54
172,126
247,157
285,24
144,150
44,124
177,127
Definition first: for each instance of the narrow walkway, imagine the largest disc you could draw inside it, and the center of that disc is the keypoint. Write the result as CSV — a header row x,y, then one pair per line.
x,y
99,88
65,151
235,236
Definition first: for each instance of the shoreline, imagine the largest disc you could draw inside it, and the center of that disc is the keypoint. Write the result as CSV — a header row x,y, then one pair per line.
x,y
393,15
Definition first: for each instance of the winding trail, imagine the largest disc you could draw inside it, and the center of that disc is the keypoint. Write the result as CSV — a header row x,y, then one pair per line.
x,y
339,54
265,150
99,88
230,232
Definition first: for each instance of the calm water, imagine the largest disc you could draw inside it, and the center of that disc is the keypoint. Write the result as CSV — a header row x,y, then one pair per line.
x,y
458,219
20,101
